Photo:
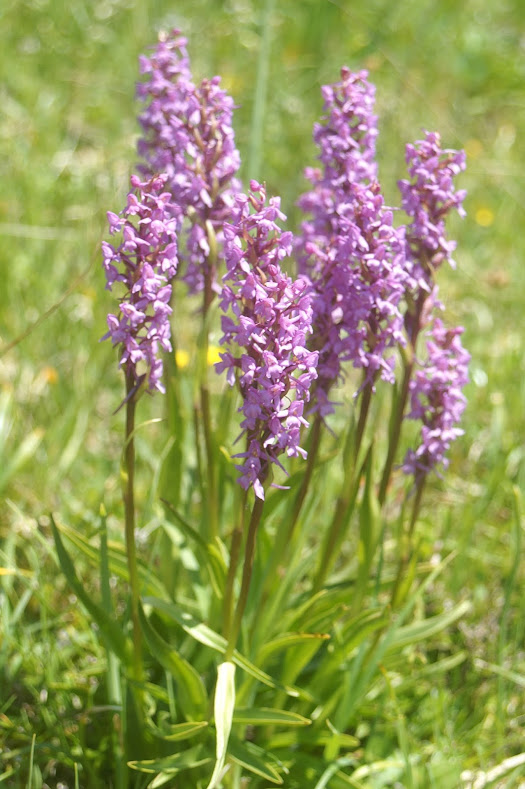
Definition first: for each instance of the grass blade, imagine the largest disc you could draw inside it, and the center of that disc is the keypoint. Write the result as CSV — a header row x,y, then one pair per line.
x,y
192,693
113,637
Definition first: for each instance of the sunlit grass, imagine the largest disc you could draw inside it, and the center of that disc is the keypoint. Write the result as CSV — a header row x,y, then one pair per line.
x,y
67,137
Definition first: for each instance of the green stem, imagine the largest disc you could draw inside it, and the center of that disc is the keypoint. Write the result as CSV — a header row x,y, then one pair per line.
x,y
249,553
313,451
114,688
334,533
129,521
210,465
364,410
408,358
235,552
211,487
198,451
406,548
345,502
396,431
113,663
283,538
510,585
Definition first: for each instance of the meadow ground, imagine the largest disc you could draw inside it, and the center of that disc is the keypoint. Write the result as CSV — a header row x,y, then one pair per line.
x,y
67,146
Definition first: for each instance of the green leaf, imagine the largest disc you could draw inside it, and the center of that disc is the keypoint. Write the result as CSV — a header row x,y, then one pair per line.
x,y
350,636
417,631
255,760
223,712
21,455
185,760
511,676
156,692
288,640
205,635
113,668
178,731
172,466
334,769
112,635
297,656
311,739
320,611
191,690
264,716
118,563
359,627
160,780
358,679
210,552
413,680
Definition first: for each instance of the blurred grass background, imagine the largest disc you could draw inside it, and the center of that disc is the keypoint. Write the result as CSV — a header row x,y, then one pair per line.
x,y
67,147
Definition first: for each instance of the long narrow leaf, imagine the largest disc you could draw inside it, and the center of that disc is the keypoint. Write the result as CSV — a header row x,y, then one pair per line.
x,y
192,693
249,716
113,637
223,712
255,760
117,560
310,739
209,553
287,641
205,635
21,455
417,631
369,517
178,731
365,665
185,760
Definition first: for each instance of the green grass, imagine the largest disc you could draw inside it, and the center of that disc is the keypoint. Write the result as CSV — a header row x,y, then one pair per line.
x,y
67,137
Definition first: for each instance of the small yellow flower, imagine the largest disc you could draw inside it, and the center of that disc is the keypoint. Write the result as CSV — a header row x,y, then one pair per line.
x,y
50,375
213,354
182,358
484,216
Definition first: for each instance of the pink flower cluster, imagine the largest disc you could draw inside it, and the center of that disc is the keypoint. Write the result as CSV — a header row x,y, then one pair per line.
x,y
349,247
428,197
266,335
365,287
145,262
437,400
188,134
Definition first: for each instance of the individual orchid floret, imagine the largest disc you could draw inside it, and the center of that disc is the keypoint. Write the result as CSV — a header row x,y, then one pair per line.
x,y
188,134
268,317
428,197
437,400
144,263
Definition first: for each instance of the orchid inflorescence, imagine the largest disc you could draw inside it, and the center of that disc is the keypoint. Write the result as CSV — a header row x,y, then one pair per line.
x,y
365,288
188,134
145,263
267,335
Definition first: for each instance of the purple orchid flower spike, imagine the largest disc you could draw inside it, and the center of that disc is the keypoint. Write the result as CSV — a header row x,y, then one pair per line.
x,y
349,247
428,197
188,134
268,317
437,400
145,262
